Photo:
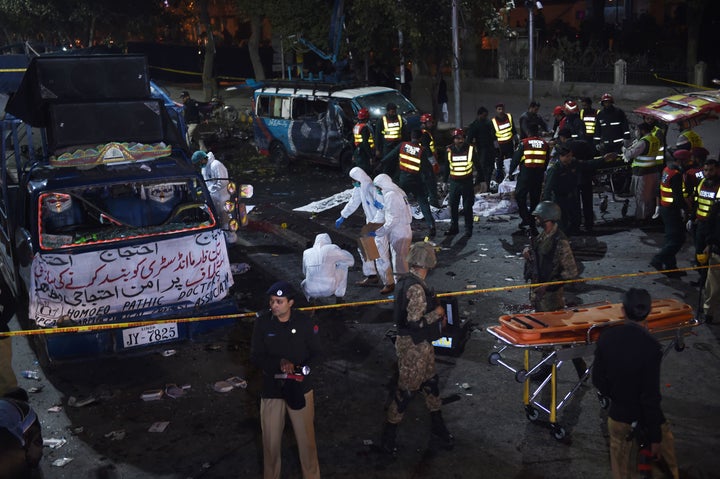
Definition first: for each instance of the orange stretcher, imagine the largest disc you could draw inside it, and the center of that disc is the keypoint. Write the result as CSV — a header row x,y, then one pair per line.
x,y
569,334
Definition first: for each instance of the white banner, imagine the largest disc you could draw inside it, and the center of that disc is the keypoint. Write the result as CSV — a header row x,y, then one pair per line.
x,y
162,276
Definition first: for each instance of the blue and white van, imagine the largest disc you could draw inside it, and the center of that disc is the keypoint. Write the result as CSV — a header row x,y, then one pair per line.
x,y
303,120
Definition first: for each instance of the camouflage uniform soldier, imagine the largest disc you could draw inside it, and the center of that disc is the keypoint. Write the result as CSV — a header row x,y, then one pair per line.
x,y
549,258
420,319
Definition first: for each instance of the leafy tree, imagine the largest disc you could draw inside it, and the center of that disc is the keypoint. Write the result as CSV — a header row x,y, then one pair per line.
x,y
62,22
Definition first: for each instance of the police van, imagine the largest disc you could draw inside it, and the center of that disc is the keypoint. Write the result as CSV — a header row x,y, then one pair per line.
x,y
301,119
109,238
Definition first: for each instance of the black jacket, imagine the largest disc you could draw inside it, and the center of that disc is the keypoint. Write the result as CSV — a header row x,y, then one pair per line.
x,y
295,340
627,370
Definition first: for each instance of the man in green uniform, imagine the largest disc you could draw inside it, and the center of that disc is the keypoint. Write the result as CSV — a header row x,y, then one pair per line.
x,y
390,131
532,157
412,160
461,159
420,319
481,135
364,142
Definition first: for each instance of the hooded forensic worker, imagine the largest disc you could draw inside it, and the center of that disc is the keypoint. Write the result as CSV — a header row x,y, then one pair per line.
x,y
325,267
216,179
396,218
364,194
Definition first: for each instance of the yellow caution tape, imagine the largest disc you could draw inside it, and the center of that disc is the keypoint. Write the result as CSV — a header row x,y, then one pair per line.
x,y
99,327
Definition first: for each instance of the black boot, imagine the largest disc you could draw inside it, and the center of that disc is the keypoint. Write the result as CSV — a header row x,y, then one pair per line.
x,y
388,440
440,432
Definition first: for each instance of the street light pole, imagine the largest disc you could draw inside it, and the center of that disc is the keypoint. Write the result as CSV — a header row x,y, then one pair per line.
x,y
456,65
531,54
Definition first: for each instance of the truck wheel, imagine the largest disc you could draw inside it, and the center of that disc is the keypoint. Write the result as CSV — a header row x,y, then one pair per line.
x,y
278,156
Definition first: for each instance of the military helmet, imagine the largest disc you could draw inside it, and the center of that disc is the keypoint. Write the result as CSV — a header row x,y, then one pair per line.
x,y
458,132
422,254
547,211
426,118
363,114
607,97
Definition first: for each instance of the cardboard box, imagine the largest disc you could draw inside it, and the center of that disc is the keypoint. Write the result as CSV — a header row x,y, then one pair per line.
x,y
366,244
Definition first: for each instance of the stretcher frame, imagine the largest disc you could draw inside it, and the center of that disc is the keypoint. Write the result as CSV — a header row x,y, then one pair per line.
x,y
556,353
604,178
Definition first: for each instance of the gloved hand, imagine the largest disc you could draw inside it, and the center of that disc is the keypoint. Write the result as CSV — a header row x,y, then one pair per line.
x,y
656,215
339,222
377,204
689,226
371,234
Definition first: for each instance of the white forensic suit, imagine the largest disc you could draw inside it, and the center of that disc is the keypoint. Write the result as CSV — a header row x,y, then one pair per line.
x,y
325,267
216,178
396,217
366,195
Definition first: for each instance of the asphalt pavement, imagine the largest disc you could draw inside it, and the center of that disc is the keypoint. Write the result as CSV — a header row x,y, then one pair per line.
x,y
484,407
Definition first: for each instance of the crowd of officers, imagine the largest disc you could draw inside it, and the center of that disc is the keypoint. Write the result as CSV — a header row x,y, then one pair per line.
x,y
557,163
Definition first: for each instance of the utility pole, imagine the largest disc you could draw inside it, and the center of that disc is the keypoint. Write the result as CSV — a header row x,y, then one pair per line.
x,y
456,64
531,54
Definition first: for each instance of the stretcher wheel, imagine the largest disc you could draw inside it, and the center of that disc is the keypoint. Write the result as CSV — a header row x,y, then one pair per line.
x,y
531,413
494,358
521,375
558,432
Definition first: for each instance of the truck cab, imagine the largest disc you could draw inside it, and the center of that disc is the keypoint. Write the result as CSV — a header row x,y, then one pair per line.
x,y
109,238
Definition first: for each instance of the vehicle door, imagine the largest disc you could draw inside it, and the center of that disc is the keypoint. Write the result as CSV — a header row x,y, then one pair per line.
x,y
309,130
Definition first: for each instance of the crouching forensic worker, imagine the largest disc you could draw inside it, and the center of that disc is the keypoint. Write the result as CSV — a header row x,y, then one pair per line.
x,y
325,267
283,342
420,319
627,371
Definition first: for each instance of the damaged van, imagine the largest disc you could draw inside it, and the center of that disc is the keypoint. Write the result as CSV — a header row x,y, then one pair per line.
x,y
301,119
109,239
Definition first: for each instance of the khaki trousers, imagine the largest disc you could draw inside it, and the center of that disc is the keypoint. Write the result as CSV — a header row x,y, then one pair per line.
x,y
272,420
624,453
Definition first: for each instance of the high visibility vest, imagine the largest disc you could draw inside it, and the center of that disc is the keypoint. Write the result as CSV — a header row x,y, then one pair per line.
x,y
392,130
693,138
650,157
588,116
357,135
705,197
410,155
431,143
535,152
692,179
503,131
666,192
460,163
658,133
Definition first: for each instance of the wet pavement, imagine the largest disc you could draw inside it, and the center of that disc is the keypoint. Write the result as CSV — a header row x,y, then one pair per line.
x,y
216,435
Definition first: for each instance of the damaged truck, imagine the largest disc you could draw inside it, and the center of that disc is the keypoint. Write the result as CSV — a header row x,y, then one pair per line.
x,y
109,239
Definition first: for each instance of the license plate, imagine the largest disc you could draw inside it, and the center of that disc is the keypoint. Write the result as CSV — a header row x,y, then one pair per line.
x,y
155,333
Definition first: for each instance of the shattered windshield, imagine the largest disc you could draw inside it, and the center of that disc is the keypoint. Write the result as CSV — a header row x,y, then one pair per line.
x,y
101,214
376,103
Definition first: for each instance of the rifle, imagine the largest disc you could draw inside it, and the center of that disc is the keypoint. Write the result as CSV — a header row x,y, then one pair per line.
x,y
530,270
